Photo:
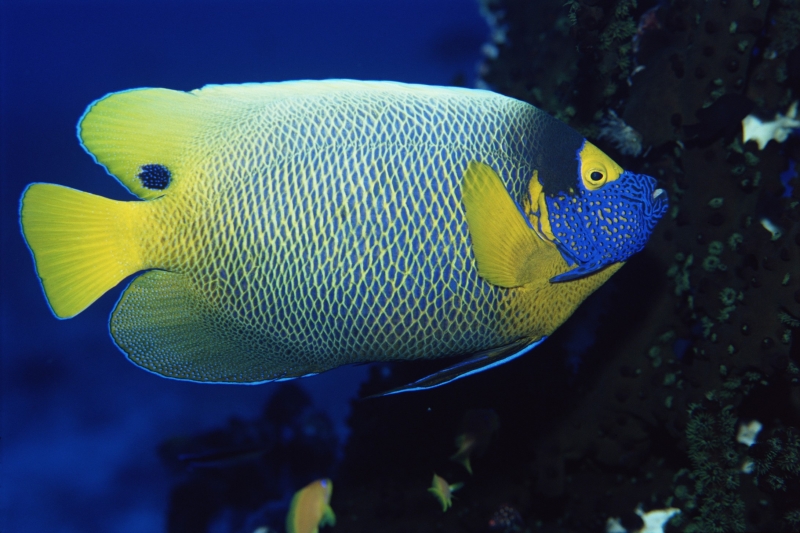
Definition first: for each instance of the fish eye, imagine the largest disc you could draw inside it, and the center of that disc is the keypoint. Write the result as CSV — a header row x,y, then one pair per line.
x,y
596,168
595,177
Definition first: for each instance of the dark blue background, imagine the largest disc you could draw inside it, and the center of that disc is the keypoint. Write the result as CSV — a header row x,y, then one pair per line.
x,y
80,424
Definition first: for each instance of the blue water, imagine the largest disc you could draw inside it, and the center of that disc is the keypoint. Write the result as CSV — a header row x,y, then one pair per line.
x,y
80,424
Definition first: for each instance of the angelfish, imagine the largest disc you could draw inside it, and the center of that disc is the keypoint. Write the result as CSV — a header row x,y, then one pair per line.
x,y
284,229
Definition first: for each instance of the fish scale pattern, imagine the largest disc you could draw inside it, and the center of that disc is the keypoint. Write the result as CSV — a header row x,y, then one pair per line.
x,y
329,229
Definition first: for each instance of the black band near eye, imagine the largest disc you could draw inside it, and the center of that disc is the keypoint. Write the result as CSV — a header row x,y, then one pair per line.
x,y
596,176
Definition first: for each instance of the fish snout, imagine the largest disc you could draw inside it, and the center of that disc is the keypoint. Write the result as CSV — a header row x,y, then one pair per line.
x,y
654,199
659,203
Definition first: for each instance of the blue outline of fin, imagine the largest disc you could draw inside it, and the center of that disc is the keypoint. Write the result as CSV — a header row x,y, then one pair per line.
x,y
471,365
578,272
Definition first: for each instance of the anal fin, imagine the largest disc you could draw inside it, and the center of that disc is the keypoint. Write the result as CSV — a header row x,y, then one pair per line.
x,y
164,325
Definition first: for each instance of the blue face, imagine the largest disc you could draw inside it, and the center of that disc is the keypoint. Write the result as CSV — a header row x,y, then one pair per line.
x,y
595,228
592,210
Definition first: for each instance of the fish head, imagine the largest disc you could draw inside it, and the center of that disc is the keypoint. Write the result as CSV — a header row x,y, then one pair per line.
x,y
602,216
326,489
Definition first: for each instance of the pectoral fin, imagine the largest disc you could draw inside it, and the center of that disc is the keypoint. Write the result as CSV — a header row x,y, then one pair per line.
x,y
471,365
503,242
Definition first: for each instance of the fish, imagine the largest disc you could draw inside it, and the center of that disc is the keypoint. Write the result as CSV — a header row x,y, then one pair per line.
x,y
465,442
284,229
310,508
477,427
443,491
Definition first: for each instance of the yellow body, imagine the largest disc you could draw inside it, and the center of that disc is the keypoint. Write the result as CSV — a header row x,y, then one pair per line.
x,y
310,508
307,225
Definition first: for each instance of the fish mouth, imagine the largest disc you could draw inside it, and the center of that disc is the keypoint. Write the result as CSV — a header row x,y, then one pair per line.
x,y
653,203
659,203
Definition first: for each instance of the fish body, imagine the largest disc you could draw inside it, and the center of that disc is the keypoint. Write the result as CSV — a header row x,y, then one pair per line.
x,y
289,228
310,508
477,428
466,443
443,491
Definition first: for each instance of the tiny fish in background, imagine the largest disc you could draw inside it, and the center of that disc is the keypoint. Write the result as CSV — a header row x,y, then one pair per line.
x,y
310,508
444,491
477,427
284,229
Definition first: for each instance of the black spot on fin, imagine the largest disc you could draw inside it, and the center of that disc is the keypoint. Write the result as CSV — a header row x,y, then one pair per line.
x,y
154,176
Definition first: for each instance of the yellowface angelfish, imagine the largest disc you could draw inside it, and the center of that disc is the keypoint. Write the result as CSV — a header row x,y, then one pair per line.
x,y
443,491
284,229
310,508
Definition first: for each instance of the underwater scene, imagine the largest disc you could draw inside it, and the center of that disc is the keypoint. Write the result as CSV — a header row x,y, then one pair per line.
x,y
480,266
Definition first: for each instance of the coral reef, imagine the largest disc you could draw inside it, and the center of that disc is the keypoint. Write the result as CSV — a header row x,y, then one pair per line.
x,y
776,465
717,467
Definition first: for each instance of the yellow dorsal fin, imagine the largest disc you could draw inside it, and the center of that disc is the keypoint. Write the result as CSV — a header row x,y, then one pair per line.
x,y
128,130
504,245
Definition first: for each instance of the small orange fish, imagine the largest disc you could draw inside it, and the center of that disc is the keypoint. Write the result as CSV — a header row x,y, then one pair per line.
x,y
310,508
443,491
477,428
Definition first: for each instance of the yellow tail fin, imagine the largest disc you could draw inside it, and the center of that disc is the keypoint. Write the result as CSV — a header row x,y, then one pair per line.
x,y
82,244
